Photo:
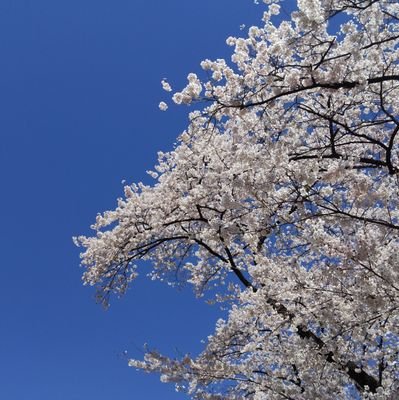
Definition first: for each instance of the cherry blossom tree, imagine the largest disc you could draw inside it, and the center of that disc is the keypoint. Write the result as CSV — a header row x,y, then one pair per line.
x,y
280,199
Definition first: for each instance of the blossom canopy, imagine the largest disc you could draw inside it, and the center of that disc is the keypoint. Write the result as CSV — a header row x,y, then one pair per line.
x,y
281,199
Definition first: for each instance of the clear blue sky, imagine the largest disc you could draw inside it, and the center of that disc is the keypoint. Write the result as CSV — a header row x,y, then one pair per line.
x,y
79,94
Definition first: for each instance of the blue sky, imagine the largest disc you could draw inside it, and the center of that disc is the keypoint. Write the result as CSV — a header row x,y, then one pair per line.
x,y
79,94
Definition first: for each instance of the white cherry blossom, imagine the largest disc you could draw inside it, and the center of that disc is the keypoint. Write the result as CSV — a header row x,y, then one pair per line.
x,y
163,106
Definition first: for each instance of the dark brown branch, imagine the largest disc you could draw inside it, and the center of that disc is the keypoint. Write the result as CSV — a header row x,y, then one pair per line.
x,y
361,378
363,160
237,272
315,85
